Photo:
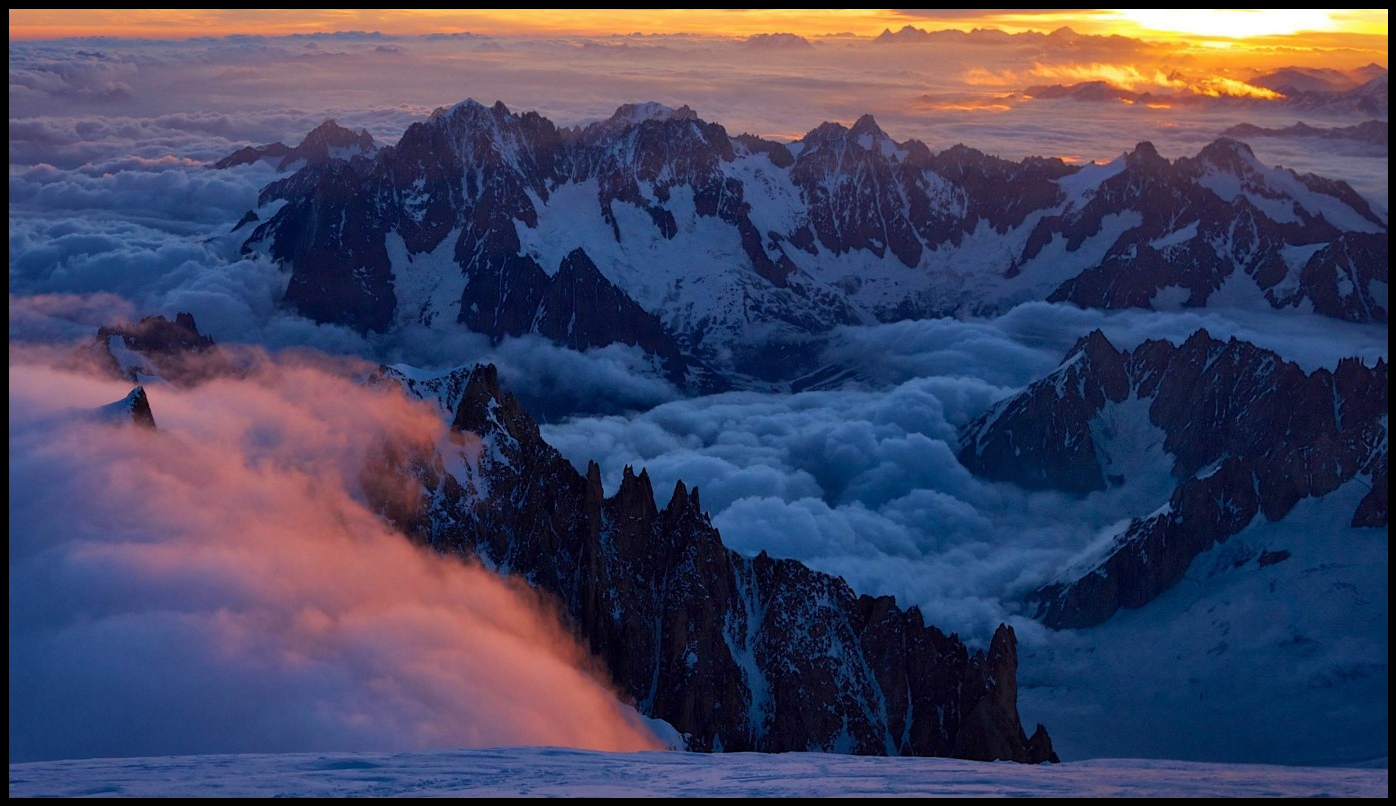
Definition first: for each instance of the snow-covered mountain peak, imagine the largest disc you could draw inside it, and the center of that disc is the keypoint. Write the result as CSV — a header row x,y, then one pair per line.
x,y
866,124
330,133
1241,431
1145,156
326,142
1230,169
628,117
635,114
864,135
330,140
468,105
1234,158
470,112
830,131
1225,152
134,409
472,135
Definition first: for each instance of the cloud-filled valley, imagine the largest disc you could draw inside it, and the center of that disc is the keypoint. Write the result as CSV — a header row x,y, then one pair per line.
x,y
865,483
231,557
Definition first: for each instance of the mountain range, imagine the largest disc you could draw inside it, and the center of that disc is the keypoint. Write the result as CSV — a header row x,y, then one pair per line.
x,y
728,258
1371,133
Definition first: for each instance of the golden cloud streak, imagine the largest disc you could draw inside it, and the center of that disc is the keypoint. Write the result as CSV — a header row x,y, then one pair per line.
x,y
1125,77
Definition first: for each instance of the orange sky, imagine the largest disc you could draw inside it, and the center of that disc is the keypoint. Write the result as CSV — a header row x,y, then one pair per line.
x,y
1218,27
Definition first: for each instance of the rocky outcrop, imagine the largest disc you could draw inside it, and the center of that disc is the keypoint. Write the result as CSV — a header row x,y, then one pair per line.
x,y
579,308
173,350
333,235
1246,433
738,653
993,730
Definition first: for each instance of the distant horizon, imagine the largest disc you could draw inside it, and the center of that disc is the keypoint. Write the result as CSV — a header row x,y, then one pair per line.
x,y
1228,28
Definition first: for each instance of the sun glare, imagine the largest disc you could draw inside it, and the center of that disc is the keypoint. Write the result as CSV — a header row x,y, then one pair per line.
x,y
1230,23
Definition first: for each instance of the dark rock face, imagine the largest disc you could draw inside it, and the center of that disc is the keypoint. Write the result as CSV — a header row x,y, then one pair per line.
x,y
1248,433
983,737
579,308
155,346
737,653
472,183
1371,510
1354,260
1041,439
156,334
246,156
474,172
334,237
851,187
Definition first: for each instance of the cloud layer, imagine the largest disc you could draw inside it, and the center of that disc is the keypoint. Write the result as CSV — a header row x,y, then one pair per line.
x,y
194,97
220,586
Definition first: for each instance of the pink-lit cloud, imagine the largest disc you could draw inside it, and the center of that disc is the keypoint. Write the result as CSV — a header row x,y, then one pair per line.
x,y
220,585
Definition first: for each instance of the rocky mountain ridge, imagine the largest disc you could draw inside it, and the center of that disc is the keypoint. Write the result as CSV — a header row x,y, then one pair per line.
x,y
731,256
1244,433
738,653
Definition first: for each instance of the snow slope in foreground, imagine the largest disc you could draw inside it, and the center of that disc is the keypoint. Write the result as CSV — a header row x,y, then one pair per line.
x,y
1272,648
549,771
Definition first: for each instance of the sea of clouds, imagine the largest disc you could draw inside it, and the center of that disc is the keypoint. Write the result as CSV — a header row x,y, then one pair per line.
x,y
224,576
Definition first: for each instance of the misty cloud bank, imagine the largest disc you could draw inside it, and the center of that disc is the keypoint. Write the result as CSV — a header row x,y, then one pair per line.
x,y
75,102
219,586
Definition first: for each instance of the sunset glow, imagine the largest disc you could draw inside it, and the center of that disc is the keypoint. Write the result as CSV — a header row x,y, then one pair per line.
x,y
1317,27
1230,23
